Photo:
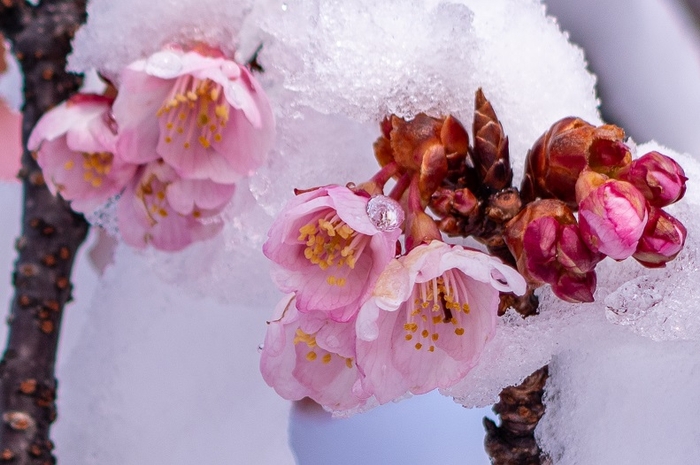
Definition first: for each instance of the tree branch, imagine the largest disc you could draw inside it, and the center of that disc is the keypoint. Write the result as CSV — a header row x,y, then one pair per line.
x,y
51,235
520,408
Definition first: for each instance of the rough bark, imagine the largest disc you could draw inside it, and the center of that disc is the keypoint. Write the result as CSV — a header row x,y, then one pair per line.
x,y
520,408
51,233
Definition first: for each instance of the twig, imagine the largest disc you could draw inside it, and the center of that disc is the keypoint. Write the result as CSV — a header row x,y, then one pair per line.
x,y
51,234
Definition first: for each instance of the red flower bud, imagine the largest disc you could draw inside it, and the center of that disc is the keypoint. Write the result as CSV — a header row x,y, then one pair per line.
x,y
557,158
425,146
659,178
545,240
662,240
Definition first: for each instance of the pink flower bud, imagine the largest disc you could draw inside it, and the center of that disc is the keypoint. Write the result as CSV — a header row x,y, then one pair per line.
x,y
546,242
663,239
659,178
612,219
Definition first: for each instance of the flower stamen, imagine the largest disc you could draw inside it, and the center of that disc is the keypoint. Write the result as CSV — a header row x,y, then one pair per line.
x,y
435,302
198,105
331,242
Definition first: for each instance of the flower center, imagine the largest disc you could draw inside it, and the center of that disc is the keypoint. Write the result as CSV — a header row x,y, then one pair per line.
x,y
152,194
330,241
315,352
436,303
96,166
195,111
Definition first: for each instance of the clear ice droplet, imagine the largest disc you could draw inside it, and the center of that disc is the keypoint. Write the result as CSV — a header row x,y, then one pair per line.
x,y
385,213
164,64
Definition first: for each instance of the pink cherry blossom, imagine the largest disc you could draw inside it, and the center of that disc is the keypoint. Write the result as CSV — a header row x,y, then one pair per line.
x,y
163,210
327,250
428,319
310,355
75,145
664,237
203,114
659,178
612,218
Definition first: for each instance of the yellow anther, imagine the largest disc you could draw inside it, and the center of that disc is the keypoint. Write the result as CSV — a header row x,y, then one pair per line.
x,y
348,362
431,349
221,111
97,182
168,139
311,356
191,95
437,319
331,280
418,346
301,336
408,337
162,212
412,327
327,226
161,195
87,176
435,336
169,125
459,331
186,145
465,308
217,137
69,165
425,333
204,142
326,358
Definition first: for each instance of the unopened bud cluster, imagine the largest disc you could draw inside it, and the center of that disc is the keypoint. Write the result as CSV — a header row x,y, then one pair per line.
x,y
576,166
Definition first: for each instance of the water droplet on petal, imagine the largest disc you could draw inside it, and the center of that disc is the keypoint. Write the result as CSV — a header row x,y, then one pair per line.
x,y
385,213
164,64
231,70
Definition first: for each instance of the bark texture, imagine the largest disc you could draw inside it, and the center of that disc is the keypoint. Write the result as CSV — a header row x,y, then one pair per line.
x,y
51,233
520,408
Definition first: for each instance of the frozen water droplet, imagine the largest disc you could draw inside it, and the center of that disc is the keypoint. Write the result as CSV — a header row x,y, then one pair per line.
x,y
164,64
231,69
385,213
261,347
111,122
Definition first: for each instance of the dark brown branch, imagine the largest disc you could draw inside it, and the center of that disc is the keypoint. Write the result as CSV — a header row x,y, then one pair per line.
x,y
520,408
51,235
